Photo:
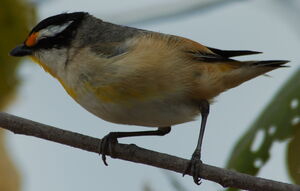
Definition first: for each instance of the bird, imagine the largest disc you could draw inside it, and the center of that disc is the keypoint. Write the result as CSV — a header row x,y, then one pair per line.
x,y
133,76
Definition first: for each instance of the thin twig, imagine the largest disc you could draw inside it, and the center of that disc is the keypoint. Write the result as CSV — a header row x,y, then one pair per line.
x,y
133,153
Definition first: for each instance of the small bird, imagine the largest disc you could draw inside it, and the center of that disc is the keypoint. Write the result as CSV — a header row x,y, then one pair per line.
x,y
131,76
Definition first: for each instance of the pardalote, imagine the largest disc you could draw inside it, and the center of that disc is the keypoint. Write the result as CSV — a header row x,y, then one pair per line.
x,y
137,77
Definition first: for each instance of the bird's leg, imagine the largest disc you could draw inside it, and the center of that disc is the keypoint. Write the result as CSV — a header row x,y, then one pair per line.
x,y
194,164
111,138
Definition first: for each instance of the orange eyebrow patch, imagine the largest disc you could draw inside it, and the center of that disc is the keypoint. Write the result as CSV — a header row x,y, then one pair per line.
x,y
32,39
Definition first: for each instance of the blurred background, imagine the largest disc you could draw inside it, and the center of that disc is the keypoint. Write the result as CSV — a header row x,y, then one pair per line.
x,y
252,128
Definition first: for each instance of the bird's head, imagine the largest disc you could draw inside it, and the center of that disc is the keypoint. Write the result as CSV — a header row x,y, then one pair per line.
x,y
49,41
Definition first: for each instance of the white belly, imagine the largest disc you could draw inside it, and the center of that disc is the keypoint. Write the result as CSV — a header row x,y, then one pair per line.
x,y
155,113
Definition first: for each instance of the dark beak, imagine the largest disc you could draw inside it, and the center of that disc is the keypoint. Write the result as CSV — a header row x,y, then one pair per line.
x,y
21,50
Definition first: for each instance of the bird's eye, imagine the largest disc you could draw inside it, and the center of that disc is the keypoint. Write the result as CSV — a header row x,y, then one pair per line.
x,y
50,31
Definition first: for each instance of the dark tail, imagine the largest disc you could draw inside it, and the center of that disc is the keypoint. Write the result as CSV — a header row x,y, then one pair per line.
x,y
252,69
268,63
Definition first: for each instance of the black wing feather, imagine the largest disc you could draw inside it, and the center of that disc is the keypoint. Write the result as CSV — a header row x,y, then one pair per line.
x,y
218,55
232,53
208,57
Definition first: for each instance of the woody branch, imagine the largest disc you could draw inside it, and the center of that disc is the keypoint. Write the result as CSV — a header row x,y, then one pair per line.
x,y
133,153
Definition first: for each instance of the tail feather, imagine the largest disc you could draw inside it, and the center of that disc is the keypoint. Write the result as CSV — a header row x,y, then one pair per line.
x,y
251,69
268,63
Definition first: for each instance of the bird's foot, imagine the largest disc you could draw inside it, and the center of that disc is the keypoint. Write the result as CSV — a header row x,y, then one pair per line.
x,y
106,146
194,167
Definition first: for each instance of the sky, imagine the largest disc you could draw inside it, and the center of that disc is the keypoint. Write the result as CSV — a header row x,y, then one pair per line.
x,y
261,25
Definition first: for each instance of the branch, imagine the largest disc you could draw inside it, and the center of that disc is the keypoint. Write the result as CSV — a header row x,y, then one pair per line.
x,y
133,153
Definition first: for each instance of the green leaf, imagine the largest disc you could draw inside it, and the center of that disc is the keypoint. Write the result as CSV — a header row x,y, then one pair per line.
x,y
277,122
293,157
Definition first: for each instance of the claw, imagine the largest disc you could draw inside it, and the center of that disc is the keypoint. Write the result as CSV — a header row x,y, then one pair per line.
x,y
194,168
106,146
